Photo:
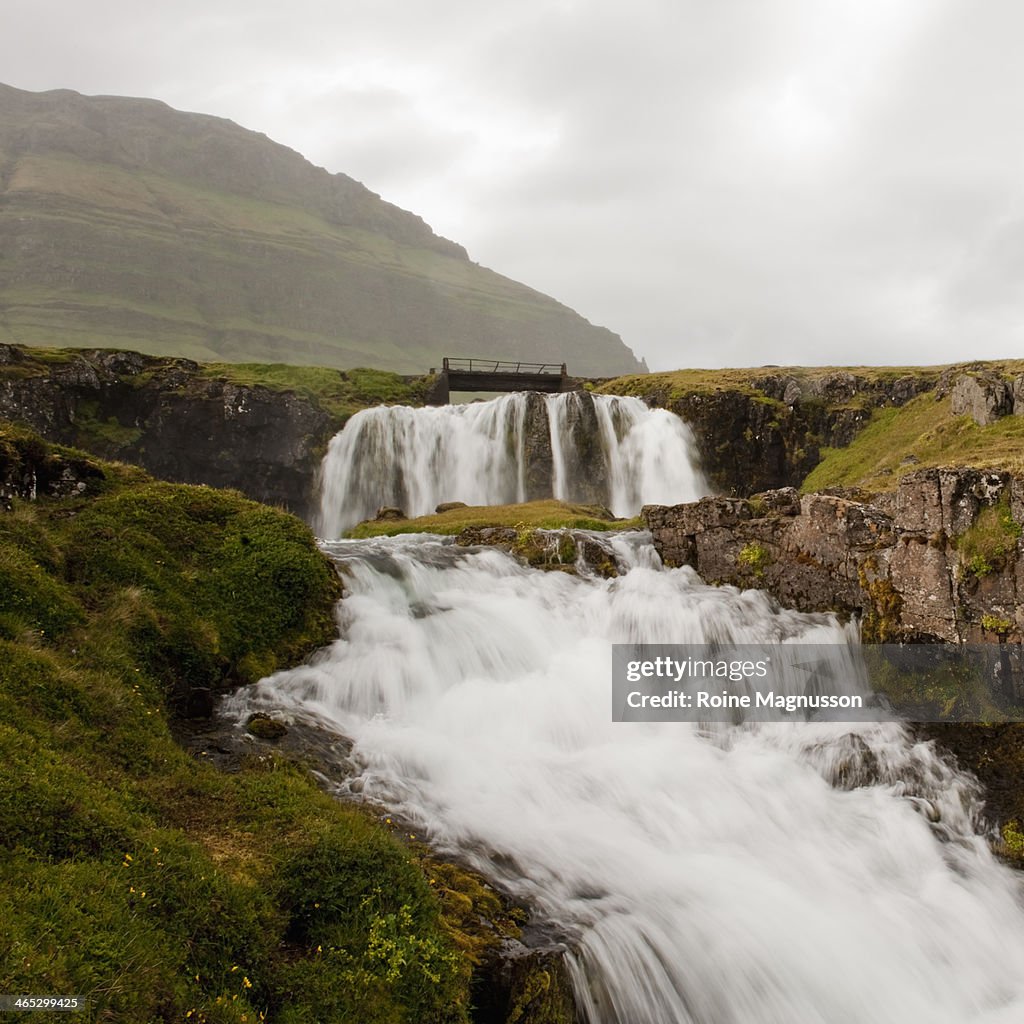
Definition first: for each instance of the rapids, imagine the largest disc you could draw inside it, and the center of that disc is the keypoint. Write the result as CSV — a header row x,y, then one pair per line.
x,y
775,873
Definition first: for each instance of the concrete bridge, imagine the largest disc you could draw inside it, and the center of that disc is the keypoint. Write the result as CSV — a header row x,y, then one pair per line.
x,y
497,375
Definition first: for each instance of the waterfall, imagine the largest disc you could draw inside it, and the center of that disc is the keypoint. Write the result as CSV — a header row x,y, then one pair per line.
x,y
772,873
597,449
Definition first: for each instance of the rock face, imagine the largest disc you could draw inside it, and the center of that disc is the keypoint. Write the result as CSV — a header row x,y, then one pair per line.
x,y
752,441
942,561
29,471
984,397
169,418
537,453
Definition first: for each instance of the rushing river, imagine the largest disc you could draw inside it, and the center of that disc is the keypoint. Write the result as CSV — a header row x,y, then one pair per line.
x,y
753,874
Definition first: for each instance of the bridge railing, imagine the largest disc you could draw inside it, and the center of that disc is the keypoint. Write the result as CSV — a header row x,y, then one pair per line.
x,y
474,365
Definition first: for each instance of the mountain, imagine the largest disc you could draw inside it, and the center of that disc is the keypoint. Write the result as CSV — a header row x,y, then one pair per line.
x,y
125,223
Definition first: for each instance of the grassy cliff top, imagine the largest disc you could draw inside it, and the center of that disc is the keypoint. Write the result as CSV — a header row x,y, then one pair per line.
x,y
751,380
921,434
897,438
339,393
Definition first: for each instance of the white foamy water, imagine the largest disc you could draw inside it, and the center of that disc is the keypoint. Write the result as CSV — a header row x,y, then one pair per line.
x,y
416,458
758,874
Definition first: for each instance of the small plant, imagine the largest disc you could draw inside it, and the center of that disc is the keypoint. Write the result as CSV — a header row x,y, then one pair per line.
x,y
1013,841
980,566
754,558
758,508
994,624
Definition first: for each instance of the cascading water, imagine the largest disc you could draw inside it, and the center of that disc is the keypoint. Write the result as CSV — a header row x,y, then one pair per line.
x,y
772,873
489,453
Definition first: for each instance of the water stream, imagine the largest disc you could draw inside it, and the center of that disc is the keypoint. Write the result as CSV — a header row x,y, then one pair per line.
x,y
760,874
773,873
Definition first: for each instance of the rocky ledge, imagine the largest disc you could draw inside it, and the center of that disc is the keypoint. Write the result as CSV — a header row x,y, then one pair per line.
x,y
941,559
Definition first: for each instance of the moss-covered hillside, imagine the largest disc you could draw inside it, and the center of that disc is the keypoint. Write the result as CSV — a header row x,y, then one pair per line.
x,y
919,435
136,875
180,234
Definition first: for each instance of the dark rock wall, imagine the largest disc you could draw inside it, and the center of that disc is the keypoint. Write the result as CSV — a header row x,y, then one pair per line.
x,y
771,435
167,417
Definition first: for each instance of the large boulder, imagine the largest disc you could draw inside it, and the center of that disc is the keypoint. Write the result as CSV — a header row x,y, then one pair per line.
x,y
984,397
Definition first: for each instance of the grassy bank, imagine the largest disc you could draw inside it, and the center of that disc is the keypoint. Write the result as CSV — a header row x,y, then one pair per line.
x,y
340,393
138,876
674,384
543,515
921,434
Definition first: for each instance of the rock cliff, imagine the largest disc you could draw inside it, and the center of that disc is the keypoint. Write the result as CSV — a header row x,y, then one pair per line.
x,y
757,430
941,559
173,420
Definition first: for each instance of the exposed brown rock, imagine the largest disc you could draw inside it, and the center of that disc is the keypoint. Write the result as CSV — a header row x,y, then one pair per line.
x,y
905,570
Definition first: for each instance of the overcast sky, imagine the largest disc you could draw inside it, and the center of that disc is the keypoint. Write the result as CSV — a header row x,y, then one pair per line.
x,y
722,182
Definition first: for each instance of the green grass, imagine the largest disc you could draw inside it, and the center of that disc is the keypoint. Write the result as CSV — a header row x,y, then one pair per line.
x,y
545,515
921,434
140,877
676,383
989,542
339,392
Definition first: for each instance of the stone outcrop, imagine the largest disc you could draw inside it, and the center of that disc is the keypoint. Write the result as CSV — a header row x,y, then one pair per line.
x,y
941,560
29,470
985,397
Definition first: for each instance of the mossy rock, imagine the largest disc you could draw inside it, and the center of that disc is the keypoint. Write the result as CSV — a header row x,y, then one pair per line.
x,y
263,727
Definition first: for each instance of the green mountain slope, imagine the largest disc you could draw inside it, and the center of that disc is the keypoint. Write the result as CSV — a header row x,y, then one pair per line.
x,y
126,223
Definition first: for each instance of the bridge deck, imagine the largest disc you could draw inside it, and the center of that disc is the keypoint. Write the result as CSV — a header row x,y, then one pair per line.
x,y
497,375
